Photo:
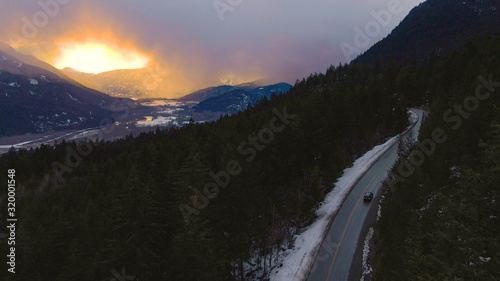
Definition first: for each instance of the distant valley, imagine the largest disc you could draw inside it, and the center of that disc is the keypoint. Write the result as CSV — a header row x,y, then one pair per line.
x,y
40,104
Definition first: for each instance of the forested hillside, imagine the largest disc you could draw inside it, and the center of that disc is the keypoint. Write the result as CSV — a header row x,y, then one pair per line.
x,y
434,29
440,217
195,203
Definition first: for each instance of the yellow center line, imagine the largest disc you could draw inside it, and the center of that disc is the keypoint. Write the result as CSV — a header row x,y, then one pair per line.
x,y
347,226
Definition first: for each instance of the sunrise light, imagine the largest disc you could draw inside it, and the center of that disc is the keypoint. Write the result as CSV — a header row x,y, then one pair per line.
x,y
98,57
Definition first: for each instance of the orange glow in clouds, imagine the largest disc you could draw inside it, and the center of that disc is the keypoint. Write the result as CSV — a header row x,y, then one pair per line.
x,y
98,57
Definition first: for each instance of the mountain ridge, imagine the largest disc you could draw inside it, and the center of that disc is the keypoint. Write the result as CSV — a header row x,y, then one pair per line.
x,y
140,83
31,60
238,99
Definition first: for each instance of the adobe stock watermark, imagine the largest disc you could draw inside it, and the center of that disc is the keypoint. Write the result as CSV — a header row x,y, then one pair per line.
x,y
365,38
248,149
455,117
224,6
40,19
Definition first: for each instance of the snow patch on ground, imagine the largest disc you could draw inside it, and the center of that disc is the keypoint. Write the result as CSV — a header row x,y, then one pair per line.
x,y
159,121
173,103
379,212
367,269
170,110
297,261
483,259
18,145
72,98
422,210
88,134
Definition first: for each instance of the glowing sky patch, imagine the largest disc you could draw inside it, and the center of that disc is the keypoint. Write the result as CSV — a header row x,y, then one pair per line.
x,y
98,57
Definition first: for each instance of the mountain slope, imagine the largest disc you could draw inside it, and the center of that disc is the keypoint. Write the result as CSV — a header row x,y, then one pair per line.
x,y
208,93
124,83
435,27
33,61
34,100
13,65
259,93
440,216
238,99
211,92
232,101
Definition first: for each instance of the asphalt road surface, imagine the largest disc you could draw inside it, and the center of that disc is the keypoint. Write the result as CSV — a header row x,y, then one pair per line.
x,y
336,254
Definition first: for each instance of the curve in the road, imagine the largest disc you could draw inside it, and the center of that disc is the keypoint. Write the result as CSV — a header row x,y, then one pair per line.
x,y
336,253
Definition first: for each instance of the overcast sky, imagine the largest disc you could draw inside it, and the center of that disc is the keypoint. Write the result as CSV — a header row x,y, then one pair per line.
x,y
204,42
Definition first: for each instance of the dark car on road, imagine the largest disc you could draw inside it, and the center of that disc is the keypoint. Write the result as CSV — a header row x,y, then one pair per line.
x,y
368,197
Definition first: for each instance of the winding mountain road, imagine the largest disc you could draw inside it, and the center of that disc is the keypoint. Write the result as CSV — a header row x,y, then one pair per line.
x,y
336,254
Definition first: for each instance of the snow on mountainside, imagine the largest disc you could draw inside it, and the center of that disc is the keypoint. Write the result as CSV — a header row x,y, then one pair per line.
x,y
33,62
35,100
13,65
207,93
212,92
238,99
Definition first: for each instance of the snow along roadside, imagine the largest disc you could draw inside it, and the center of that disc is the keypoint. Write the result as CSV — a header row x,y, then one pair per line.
x,y
367,269
297,261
